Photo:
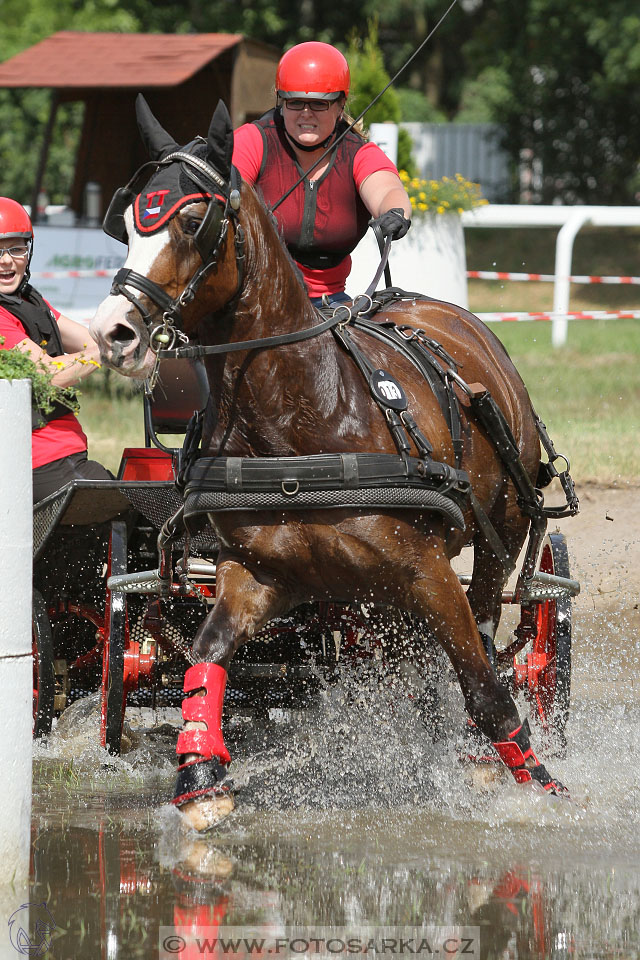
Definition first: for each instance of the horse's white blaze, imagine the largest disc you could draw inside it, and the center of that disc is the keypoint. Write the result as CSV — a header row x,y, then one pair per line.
x,y
143,251
114,310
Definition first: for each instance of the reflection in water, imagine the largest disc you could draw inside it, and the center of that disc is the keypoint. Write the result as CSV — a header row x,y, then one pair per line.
x,y
110,890
345,822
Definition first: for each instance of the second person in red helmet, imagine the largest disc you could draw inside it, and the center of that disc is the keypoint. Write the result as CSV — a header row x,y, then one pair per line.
x,y
63,347
325,216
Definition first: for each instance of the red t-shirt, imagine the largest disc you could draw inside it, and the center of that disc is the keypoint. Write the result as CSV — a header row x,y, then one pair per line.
x,y
248,147
58,438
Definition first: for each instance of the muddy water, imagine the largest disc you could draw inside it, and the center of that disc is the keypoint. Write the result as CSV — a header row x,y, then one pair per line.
x,y
349,814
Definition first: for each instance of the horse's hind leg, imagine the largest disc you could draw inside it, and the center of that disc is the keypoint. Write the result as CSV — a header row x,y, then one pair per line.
x,y
443,603
490,575
242,607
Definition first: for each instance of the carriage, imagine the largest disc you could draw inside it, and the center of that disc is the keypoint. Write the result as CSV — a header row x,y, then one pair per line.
x,y
132,648
346,456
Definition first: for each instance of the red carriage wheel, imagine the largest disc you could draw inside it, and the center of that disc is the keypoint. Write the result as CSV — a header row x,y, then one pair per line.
x,y
44,687
546,673
116,630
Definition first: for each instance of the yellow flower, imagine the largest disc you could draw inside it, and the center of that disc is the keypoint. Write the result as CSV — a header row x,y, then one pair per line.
x,y
453,193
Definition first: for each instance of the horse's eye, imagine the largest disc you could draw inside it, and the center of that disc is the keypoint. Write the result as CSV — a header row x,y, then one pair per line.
x,y
190,226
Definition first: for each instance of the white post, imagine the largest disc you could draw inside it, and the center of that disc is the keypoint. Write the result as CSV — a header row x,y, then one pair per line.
x,y
16,670
561,287
385,135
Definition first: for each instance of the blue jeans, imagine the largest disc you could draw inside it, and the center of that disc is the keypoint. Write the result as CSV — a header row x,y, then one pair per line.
x,y
335,299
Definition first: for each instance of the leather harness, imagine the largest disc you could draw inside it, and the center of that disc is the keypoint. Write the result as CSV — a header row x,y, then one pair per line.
x,y
212,484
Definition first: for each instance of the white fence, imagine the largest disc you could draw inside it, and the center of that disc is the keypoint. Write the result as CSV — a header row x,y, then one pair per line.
x,y
570,220
72,266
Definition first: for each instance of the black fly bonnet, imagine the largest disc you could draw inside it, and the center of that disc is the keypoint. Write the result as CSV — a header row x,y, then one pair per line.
x,y
173,178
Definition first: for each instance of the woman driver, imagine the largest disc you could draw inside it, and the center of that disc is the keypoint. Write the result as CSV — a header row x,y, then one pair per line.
x,y
327,215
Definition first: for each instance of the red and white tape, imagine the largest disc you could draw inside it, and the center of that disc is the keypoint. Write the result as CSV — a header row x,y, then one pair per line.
x,y
573,315
71,274
546,277
471,275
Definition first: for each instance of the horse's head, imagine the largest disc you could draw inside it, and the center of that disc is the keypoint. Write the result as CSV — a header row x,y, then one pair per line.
x,y
174,215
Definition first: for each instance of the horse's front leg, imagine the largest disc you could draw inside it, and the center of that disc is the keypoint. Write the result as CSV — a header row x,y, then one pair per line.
x,y
491,707
242,607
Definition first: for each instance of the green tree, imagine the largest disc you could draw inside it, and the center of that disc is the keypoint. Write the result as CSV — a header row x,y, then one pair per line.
x,y
571,75
24,113
368,78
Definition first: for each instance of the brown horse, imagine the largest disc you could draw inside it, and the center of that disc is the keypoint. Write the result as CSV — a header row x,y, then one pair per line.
x,y
302,397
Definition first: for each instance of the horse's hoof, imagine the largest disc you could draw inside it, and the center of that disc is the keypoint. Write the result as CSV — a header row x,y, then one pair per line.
x,y
208,812
539,774
201,860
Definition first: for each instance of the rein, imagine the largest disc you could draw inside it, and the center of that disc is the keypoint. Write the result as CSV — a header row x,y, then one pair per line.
x,y
339,317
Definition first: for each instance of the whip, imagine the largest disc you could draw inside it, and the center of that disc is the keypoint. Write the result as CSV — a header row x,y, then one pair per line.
x,y
368,107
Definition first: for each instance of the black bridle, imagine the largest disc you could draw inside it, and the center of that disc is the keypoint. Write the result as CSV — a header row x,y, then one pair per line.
x,y
208,240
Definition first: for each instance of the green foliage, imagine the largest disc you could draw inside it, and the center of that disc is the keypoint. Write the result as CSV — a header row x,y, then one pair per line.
x,y
561,76
416,108
405,153
573,74
24,113
23,118
484,98
16,365
368,78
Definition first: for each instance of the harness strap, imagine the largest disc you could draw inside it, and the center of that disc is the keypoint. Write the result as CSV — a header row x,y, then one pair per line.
x,y
198,350
493,420
366,368
488,529
411,344
144,285
548,472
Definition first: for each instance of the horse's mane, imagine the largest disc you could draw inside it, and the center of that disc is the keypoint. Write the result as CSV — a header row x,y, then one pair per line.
x,y
268,259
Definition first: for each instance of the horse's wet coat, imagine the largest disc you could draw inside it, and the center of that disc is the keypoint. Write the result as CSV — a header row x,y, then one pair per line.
x,y
309,398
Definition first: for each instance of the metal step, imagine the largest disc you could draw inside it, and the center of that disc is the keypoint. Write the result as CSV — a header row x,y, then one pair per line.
x,y
144,581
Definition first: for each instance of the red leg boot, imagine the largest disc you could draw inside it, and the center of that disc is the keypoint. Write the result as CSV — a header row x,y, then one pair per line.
x,y
516,750
203,755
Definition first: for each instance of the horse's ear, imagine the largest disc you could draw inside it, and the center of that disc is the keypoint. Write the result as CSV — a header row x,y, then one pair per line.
x,y
220,141
155,137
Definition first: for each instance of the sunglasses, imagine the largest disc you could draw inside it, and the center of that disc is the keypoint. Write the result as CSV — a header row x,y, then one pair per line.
x,y
15,252
318,106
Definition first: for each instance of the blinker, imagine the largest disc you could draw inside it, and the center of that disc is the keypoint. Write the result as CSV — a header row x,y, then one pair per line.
x,y
113,224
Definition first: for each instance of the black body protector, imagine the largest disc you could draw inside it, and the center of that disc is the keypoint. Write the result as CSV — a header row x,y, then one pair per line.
x,y
35,315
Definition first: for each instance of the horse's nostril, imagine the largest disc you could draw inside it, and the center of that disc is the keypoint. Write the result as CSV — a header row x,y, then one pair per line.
x,y
123,334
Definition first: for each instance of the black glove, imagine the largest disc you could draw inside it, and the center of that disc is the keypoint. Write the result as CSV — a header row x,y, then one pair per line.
x,y
393,223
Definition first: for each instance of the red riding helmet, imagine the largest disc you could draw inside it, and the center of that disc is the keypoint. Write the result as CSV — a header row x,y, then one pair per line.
x,y
313,70
14,220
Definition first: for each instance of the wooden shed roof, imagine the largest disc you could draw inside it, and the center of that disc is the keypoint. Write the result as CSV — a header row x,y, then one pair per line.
x,y
73,59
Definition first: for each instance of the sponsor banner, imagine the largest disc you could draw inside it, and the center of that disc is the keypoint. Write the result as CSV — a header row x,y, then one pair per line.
x,y
62,251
